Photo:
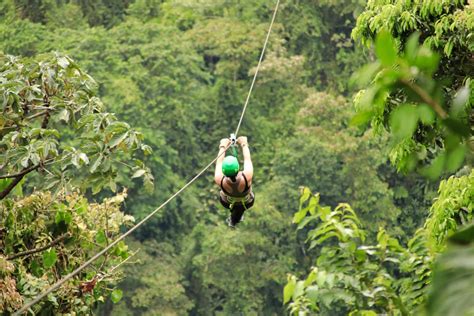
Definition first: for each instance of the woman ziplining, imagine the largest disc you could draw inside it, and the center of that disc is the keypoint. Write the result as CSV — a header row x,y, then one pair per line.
x,y
236,210
236,186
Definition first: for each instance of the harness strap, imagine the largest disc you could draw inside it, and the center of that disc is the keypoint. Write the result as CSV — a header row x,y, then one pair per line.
x,y
222,186
246,183
242,200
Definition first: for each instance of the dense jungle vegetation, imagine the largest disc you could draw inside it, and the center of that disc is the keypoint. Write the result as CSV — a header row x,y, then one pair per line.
x,y
360,128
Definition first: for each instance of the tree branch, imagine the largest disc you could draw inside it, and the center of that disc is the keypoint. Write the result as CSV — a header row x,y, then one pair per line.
x,y
10,187
36,115
45,122
35,250
18,176
425,97
21,173
103,276
16,179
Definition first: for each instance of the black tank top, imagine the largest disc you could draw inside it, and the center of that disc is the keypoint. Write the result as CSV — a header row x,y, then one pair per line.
x,y
235,187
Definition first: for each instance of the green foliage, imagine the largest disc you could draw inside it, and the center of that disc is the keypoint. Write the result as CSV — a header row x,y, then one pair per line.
x,y
350,275
320,31
52,123
116,295
68,15
446,25
178,72
425,132
385,277
29,38
69,12
454,207
39,246
453,277
428,118
44,97
49,258
219,260
326,155
156,280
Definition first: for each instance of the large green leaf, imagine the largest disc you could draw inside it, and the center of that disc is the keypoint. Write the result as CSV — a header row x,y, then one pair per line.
x,y
116,295
385,48
403,121
289,289
49,258
452,289
100,238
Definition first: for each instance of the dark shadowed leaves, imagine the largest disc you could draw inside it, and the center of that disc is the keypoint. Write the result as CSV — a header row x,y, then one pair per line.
x,y
457,126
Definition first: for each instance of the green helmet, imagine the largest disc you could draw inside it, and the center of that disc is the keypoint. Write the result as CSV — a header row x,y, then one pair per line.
x,y
230,166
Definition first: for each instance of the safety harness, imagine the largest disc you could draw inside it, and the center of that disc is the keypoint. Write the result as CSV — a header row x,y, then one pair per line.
x,y
232,200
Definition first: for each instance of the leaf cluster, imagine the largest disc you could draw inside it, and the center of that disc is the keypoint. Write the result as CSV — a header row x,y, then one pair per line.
x,y
385,277
44,100
44,237
403,98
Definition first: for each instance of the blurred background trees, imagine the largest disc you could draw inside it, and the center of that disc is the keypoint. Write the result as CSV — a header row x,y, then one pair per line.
x,y
178,71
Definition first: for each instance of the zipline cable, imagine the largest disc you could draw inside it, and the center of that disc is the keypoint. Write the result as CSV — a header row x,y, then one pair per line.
x,y
116,241
258,68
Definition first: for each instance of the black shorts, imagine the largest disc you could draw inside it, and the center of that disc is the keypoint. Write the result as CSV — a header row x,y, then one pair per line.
x,y
238,205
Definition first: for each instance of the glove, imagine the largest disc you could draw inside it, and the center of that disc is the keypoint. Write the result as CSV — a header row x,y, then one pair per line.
x,y
242,141
224,142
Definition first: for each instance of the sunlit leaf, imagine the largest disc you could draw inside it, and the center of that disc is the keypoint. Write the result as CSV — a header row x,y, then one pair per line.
x,y
96,163
64,115
116,295
299,289
139,173
299,215
306,194
49,258
63,216
289,289
118,139
63,62
460,100
84,158
385,48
